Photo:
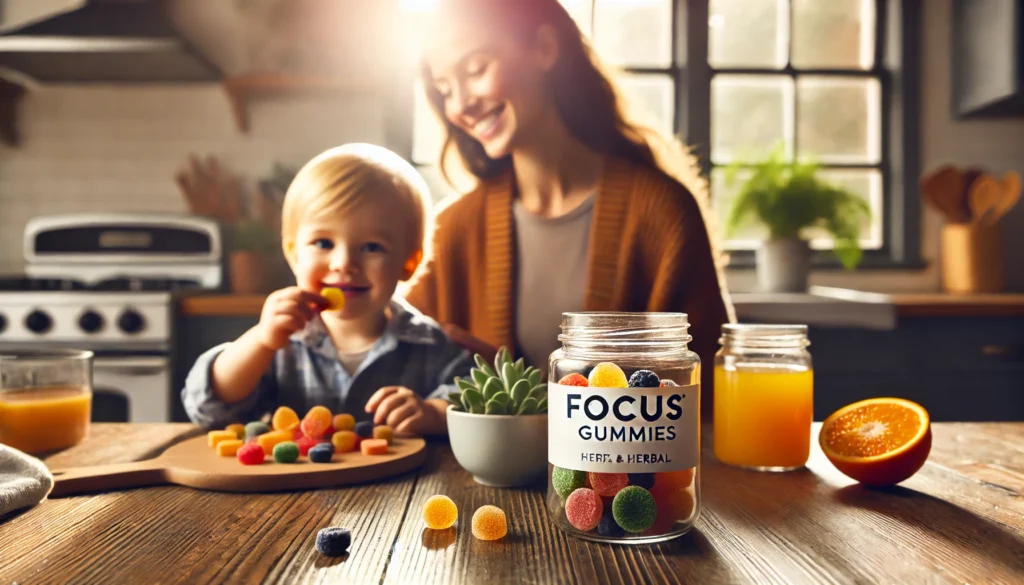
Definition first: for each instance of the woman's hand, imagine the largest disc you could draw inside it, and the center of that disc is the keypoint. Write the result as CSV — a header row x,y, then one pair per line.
x,y
404,411
285,312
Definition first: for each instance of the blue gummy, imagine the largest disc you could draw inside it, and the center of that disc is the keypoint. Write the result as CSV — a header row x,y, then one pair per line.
x,y
321,453
333,541
644,379
607,526
365,429
644,480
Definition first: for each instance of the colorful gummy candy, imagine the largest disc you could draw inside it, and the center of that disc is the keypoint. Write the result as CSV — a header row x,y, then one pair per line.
x,y
255,429
672,480
574,380
335,298
344,441
607,484
238,429
321,453
644,480
440,512
268,440
373,446
284,419
344,422
634,509
365,429
489,523
229,448
333,541
316,422
583,509
214,437
566,481
305,444
644,379
608,375
286,452
251,454
607,526
383,432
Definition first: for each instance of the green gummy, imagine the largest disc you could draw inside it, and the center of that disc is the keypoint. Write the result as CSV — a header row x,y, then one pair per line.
x,y
286,452
255,429
634,509
566,481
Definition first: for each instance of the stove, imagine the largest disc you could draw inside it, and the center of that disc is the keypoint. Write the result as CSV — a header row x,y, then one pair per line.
x,y
105,282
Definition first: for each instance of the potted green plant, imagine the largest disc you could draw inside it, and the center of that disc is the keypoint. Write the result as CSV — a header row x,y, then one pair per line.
x,y
789,198
498,422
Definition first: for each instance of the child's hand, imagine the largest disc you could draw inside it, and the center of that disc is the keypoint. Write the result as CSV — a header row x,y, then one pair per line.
x,y
285,312
404,411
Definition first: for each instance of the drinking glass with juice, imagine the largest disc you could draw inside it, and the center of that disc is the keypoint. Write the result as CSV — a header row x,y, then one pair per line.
x,y
764,389
45,399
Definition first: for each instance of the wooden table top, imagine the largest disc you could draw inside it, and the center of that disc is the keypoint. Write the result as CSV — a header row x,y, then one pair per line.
x,y
959,520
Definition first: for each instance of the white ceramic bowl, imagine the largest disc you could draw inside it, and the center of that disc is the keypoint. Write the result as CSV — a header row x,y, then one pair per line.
x,y
500,450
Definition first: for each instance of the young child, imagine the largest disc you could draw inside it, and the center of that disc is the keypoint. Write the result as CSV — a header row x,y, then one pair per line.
x,y
355,218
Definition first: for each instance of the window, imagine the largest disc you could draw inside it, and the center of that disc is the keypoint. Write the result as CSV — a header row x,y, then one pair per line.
x,y
832,80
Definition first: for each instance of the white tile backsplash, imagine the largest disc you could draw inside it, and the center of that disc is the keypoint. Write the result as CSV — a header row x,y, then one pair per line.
x,y
117,147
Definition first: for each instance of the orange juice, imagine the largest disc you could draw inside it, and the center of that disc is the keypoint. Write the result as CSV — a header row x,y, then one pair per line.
x,y
44,419
763,416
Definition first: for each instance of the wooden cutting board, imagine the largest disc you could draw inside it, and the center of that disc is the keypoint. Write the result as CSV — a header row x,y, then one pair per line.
x,y
193,463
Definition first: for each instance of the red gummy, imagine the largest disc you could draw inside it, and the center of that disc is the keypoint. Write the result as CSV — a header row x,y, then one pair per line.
x,y
607,484
305,444
297,433
251,454
574,380
329,432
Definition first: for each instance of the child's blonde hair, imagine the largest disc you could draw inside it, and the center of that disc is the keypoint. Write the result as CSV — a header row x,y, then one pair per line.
x,y
342,176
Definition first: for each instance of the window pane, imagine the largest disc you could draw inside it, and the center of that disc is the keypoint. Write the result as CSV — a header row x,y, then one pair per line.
x,y
749,115
580,11
833,33
750,234
634,33
427,130
652,97
839,119
748,33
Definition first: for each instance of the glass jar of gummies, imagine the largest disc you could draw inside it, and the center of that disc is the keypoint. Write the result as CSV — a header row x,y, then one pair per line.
x,y
764,397
624,428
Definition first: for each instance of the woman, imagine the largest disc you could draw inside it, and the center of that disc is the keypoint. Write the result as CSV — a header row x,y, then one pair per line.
x,y
576,207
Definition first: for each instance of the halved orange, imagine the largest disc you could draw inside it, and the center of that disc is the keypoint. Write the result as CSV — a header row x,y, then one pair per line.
x,y
879,441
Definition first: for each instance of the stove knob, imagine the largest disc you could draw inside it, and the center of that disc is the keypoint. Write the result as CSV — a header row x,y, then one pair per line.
x,y
38,322
90,321
3,323
130,321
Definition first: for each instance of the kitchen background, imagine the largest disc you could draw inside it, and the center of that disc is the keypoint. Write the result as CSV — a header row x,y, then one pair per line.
x,y
115,147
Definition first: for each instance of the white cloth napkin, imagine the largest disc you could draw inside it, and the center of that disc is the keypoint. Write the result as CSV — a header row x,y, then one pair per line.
x,y
24,480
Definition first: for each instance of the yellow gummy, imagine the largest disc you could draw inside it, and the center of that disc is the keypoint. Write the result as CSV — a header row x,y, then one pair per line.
x,y
238,429
489,523
229,448
268,440
335,298
284,419
343,441
214,437
440,512
608,375
344,422
383,432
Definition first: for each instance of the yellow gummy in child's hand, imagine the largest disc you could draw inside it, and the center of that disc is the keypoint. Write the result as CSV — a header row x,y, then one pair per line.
x,y
335,298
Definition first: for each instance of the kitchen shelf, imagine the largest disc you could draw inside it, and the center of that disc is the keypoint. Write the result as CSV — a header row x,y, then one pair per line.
x,y
10,96
241,89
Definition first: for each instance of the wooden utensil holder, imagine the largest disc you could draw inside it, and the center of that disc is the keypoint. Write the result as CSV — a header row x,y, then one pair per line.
x,y
971,258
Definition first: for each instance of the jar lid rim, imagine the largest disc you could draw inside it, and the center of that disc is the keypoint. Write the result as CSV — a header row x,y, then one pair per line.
x,y
763,330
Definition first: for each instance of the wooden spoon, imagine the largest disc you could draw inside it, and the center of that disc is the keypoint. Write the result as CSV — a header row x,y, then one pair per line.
x,y
985,196
943,189
1009,197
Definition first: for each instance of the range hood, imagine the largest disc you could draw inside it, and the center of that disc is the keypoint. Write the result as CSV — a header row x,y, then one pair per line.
x,y
105,41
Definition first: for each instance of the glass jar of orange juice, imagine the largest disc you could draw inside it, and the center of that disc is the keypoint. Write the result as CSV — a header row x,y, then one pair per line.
x,y
764,388
45,399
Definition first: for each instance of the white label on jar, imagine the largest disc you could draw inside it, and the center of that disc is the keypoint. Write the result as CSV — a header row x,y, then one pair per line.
x,y
623,430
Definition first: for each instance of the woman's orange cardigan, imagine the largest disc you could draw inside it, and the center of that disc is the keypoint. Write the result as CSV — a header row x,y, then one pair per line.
x,y
649,251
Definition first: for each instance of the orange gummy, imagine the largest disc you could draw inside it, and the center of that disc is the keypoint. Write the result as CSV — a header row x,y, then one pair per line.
x,y
283,419
440,512
268,440
383,432
489,523
608,375
214,437
344,441
238,429
344,422
374,446
229,448
316,422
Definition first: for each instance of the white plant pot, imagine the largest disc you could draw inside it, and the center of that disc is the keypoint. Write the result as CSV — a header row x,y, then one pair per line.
x,y
500,450
783,265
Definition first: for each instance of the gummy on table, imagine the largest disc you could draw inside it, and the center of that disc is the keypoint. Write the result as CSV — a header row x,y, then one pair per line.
x,y
344,441
316,422
284,419
344,422
489,523
333,541
440,512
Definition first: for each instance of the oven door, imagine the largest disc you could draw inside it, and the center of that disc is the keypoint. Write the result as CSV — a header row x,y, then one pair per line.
x,y
131,389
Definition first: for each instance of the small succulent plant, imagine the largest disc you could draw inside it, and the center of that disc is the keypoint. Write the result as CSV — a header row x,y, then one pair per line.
x,y
506,387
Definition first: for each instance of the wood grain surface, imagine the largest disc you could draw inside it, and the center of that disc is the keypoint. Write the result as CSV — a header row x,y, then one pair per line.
x,y
959,520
